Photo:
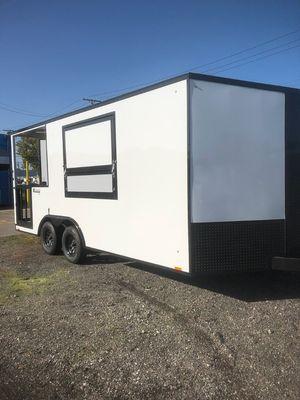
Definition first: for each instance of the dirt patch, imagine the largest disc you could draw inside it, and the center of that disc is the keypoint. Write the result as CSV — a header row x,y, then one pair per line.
x,y
113,330
14,284
7,222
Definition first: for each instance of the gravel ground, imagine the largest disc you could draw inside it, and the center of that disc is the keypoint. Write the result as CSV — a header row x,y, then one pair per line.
x,y
7,223
114,330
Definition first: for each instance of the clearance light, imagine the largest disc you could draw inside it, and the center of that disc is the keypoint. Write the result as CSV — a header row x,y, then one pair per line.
x,y
178,268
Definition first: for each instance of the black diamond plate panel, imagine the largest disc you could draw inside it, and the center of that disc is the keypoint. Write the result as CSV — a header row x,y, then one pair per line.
x,y
235,246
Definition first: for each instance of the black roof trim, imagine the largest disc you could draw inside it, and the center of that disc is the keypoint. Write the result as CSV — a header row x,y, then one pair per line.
x,y
190,75
238,82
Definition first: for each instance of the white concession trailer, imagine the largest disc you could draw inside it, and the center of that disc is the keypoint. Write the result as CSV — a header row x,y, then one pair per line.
x,y
196,173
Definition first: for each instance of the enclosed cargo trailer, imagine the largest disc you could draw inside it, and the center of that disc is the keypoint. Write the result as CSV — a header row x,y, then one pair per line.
x,y
196,173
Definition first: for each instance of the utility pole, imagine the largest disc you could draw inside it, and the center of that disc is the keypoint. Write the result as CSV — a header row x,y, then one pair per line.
x,y
92,101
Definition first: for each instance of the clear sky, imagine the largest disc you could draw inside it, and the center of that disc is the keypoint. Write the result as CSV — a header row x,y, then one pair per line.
x,y
55,52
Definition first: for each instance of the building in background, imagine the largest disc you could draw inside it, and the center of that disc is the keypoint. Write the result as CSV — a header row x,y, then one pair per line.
x,y
5,171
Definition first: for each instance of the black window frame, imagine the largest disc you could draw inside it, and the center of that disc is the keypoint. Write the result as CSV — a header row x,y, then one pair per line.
x,y
93,170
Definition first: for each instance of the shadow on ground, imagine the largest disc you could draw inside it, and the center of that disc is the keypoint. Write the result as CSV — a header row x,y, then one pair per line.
x,y
246,286
100,258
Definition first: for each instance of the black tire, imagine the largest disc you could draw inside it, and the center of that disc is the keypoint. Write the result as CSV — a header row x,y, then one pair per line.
x,y
72,245
49,238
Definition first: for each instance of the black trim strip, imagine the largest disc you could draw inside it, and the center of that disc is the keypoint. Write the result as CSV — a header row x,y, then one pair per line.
x,y
89,121
209,78
92,195
292,174
238,82
189,118
94,170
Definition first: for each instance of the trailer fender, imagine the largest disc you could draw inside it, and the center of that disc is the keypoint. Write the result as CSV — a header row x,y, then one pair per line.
x,y
61,222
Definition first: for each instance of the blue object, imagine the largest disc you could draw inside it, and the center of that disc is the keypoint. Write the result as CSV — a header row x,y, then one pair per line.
x,y
4,144
5,171
5,188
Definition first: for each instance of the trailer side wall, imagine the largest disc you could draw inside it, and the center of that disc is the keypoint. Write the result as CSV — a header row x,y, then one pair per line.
x,y
237,145
148,220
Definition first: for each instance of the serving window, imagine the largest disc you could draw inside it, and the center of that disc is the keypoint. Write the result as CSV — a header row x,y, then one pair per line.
x,y
90,158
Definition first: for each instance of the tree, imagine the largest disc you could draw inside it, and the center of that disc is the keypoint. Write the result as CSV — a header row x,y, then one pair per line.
x,y
28,150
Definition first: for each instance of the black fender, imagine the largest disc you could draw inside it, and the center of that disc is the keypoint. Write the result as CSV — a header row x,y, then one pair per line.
x,y
60,222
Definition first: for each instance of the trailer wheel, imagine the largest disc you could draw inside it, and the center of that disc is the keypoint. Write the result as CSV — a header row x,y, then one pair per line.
x,y
49,238
72,245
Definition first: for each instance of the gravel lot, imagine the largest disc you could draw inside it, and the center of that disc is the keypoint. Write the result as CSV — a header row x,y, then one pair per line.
x,y
114,330
7,223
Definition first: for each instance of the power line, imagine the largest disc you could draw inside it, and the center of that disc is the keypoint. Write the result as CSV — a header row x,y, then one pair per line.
x,y
5,107
20,111
65,107
14,108
247,49
253,55
258,59
201,65
17,110
23,113
293,81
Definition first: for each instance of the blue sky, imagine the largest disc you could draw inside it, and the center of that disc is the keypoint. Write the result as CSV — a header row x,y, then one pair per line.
x,y
54,53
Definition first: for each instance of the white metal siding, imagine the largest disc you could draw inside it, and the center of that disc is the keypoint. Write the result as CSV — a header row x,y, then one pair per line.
x,y
237,153
149,220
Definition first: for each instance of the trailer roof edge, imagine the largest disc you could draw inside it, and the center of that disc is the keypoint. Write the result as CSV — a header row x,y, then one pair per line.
x,y
240,82
189,75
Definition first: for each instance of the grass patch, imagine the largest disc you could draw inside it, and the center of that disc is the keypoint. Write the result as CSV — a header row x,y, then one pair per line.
x,y
19,239
13,285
